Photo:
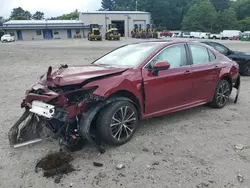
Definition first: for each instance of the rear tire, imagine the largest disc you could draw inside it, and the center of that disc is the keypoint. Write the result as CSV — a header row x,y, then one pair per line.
x,y
247,69
117,123
221,95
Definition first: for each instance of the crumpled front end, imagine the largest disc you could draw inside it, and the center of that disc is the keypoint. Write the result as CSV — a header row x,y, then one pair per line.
x,y
58,109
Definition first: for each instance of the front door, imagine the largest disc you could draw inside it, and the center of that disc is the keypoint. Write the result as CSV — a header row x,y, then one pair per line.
x,y
47,34
172,88
69,33
19,35
206,71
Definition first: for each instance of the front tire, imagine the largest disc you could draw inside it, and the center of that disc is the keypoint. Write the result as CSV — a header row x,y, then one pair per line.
x,y
221,95
117,123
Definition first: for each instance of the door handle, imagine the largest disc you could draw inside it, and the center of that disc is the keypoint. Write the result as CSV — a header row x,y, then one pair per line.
x,y
216,67
187,72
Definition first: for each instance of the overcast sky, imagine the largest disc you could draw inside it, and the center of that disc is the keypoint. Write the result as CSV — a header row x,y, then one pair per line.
x,y
51,8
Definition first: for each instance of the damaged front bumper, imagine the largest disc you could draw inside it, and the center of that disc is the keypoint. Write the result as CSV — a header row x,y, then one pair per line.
x,y
48,111
43,106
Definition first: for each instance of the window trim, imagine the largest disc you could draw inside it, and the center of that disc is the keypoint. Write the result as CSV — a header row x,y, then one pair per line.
x,y
208,50
171,45
191,56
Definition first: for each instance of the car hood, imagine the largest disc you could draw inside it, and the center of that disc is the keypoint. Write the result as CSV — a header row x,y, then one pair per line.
x,y
78,74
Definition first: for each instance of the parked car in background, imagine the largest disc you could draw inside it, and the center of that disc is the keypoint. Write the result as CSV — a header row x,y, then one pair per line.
x,y
184,34
236,37
7,38
245,37
229,34
214,36
166,33
246,32
175,33
131,83
242,58
199,35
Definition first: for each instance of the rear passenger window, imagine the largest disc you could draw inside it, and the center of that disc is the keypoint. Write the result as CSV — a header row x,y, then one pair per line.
x,y
212,56
199,54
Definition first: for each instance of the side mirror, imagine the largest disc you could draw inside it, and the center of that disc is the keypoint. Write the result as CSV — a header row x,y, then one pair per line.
x,y
160,65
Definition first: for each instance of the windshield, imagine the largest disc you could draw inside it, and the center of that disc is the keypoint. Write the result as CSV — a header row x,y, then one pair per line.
x,y
96,32
129,56
115,32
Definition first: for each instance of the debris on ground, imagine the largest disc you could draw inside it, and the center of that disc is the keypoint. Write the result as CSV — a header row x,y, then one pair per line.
x,y
145,150
102,175
120,166
155,163
239,147
121,175
97,164
55,165
240,178
157,152
150,167
202,185
58,179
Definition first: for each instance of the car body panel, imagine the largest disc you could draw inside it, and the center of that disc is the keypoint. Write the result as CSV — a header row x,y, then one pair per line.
x,y
129,81
171,90
79,74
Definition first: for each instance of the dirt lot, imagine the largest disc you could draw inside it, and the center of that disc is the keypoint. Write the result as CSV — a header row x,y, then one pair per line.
x,y
192,148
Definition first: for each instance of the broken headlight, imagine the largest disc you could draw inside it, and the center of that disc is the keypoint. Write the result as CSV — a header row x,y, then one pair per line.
x,y
84,94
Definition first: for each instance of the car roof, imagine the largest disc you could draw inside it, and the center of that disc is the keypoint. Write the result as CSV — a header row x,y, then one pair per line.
x,y
163,43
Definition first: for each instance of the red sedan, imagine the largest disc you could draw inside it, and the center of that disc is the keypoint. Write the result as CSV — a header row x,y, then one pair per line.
x,y
105,100
166,34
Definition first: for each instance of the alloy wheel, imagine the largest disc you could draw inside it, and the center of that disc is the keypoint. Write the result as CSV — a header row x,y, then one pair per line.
x,y
123,123
223,94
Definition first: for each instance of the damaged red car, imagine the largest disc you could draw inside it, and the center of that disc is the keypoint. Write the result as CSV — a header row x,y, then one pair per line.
x,y
103,101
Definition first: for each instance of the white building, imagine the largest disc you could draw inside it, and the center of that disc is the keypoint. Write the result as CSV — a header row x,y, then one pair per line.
x,y
45,29
124,20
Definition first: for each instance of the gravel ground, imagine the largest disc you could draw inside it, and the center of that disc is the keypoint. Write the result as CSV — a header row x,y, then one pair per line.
x,y
192,148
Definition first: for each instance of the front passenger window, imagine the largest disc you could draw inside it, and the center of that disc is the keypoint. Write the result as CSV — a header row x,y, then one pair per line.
x,y
174,55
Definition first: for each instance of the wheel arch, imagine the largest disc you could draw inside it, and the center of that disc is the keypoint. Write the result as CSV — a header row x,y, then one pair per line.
x,y
228,78
129,95
88,121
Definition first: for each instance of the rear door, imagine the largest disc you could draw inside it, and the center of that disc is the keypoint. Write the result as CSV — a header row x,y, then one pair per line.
x,y
171,88
206,69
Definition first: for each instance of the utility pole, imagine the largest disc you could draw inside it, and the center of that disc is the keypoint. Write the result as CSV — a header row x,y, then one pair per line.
x,y
136,3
